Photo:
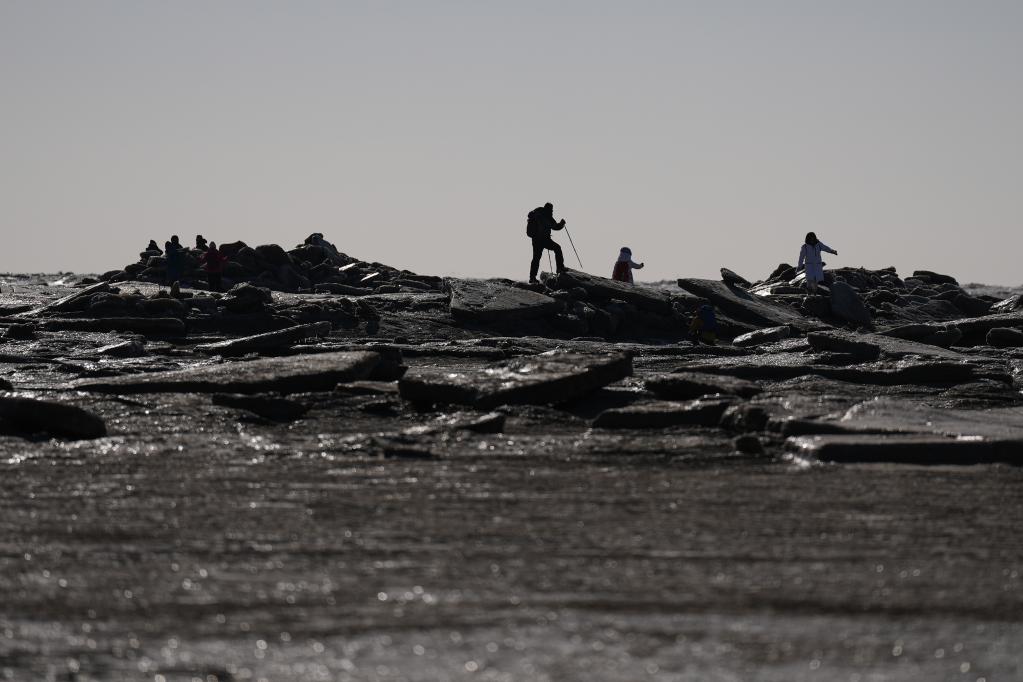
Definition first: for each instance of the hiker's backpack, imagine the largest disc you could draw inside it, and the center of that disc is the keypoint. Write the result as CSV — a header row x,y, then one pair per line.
x,y
533,228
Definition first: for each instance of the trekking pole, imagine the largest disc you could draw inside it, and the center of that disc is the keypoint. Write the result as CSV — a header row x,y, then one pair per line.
x,y
573,247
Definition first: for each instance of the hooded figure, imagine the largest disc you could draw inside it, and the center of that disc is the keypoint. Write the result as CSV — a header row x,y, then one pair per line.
x,y
151,250
623,268
810,256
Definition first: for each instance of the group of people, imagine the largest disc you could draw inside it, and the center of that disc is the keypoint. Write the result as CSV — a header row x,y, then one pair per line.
x,y
540,224
211,258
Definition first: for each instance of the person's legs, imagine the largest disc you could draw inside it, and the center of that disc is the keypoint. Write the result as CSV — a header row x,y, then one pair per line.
x,y
534,265
559,259
214,280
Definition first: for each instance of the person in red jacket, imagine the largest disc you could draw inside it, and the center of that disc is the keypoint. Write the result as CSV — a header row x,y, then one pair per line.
x,y
623,268
213,264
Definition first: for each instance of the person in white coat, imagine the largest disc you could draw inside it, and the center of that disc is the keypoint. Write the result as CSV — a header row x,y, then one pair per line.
x,y
623,268
810,256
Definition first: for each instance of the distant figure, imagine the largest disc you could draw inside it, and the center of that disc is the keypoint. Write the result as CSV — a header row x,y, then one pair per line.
x,y
316,239
810,255
150,251
539,224
623,268
704,326
175,259
200,243
213,264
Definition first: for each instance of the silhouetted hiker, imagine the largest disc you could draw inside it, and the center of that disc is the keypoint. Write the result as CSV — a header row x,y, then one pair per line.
x,y
704,326
175,259
539,224
201,243
623,268
810,255
213,264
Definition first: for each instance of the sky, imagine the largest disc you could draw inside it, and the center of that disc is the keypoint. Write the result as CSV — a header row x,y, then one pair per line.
x,y
420,134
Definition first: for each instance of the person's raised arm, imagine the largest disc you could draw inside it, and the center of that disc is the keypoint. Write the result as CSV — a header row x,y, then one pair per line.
x,y
560,225
825,247
634,265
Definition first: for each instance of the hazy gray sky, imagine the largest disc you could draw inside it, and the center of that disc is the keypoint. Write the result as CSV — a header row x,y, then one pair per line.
x,y
701,134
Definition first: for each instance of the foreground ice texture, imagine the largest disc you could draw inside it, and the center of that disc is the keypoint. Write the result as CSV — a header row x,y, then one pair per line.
x,y
343,471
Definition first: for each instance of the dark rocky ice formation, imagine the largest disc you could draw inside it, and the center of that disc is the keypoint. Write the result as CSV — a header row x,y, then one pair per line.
x,y
292,374
552,377
371,470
